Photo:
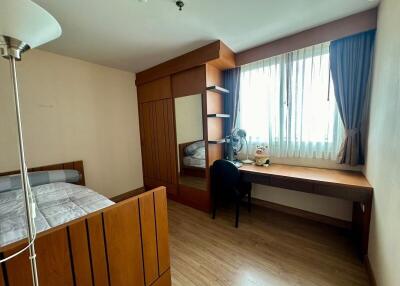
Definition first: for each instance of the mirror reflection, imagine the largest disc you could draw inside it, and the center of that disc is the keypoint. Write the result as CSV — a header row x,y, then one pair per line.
x,y
191,147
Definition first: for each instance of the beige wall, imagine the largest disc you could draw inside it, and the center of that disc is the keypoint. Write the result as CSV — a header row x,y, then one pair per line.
x,y
383,160
74,110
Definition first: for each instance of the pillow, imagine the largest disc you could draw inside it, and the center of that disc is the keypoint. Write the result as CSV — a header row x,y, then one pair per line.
x,y
200,153
13,182
191,149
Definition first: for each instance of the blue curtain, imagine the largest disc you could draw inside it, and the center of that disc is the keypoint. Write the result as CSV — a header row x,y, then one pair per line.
x,y
231,79
350,64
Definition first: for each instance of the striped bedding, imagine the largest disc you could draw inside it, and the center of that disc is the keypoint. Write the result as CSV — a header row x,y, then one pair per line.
x,y
56,203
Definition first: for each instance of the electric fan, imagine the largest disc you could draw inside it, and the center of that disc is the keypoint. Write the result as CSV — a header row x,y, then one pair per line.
x,y
237,140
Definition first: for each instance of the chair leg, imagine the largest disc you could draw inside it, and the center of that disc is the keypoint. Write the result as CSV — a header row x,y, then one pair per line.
x,y
237,213
249,201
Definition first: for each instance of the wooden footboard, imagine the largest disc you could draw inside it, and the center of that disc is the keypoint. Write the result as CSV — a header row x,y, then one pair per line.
x,y
124,244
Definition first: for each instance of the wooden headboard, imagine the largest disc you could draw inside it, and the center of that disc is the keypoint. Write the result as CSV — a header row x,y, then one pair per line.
x,y
77,165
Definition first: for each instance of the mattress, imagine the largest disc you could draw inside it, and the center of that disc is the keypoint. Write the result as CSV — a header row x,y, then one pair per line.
x,y
56,203
194,162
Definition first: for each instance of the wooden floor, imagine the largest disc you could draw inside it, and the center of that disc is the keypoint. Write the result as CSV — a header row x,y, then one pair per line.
x,y
268,248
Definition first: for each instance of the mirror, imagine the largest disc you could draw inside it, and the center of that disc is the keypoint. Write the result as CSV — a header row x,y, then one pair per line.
x,y
190,143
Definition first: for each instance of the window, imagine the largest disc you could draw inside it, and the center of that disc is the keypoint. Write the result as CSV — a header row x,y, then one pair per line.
x,y
287,102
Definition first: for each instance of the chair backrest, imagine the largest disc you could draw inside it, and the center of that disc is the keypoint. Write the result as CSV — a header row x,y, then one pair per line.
x,y
224,175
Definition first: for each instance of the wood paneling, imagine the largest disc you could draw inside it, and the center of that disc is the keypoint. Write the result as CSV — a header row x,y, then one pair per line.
x,y
353,24
361,225
198,198
151,183
165,279
128,195
226,60
149,238
18,268
155,90
215,129
53,261
160,201
2,283
189,82
123,240
54,269
123,244
98,251
215,104
79,245
213,76
158,144
187,61
76,165
292,184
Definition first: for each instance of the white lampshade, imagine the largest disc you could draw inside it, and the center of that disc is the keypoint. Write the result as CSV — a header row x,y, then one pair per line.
x,y
27,22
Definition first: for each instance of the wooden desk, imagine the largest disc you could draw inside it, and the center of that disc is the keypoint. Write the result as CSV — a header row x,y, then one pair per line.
x,y
347,185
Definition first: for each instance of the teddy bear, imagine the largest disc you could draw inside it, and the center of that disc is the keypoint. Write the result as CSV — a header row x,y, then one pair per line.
x,y
261,155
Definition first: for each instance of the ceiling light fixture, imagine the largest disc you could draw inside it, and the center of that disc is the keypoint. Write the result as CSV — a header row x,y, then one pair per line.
x,y
180,4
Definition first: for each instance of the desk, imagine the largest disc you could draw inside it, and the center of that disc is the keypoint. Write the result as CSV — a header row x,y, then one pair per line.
x,y
347,185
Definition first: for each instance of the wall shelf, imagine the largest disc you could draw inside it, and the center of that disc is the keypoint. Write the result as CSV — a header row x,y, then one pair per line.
x,y
218,141
218,115
217,89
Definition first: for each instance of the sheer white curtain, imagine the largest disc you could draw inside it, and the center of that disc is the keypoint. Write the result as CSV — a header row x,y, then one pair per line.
x,y
287,102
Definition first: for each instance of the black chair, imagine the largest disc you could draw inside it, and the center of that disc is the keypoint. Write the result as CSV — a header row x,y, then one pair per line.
x,y
226,182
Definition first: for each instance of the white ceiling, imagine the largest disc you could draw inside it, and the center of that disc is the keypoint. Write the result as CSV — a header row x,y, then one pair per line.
x,y
132,35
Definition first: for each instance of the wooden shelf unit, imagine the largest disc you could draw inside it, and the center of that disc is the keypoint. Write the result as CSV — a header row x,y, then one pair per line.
x,y
218,115
217,89
217,141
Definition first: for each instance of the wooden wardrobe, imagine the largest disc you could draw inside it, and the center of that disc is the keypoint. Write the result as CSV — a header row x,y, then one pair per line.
x,y
197,72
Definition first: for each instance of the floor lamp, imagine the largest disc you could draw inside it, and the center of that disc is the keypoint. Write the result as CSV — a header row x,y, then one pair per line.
x,y
24,25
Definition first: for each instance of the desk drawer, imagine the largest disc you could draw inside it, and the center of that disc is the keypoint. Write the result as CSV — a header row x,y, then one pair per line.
x,y
292,184
256,178
343,192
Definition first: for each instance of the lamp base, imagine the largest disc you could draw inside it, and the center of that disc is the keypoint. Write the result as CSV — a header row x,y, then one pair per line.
x,y
247,161
10,47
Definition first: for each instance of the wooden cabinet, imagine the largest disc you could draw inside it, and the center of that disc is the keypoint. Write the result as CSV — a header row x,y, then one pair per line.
x,y
155,90
158,88
189,82
157,132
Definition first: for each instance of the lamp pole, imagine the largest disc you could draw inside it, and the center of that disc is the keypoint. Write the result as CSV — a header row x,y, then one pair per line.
x,y
24,25
12,53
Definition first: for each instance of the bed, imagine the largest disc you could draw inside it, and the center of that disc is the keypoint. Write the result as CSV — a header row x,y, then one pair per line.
x,y
192,159
84,238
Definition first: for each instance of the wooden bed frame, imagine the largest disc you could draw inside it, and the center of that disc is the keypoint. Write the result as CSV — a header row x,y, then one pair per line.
x,y
189,170
124,244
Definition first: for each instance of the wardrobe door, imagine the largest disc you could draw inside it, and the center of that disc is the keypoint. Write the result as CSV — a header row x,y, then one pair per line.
x,y
158,144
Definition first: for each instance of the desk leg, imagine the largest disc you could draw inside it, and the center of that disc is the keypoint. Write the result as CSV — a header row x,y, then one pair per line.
x,y
360,225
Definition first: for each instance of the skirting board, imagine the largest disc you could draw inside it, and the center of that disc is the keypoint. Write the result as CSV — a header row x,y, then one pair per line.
x,y
370,272
128,195
302,213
